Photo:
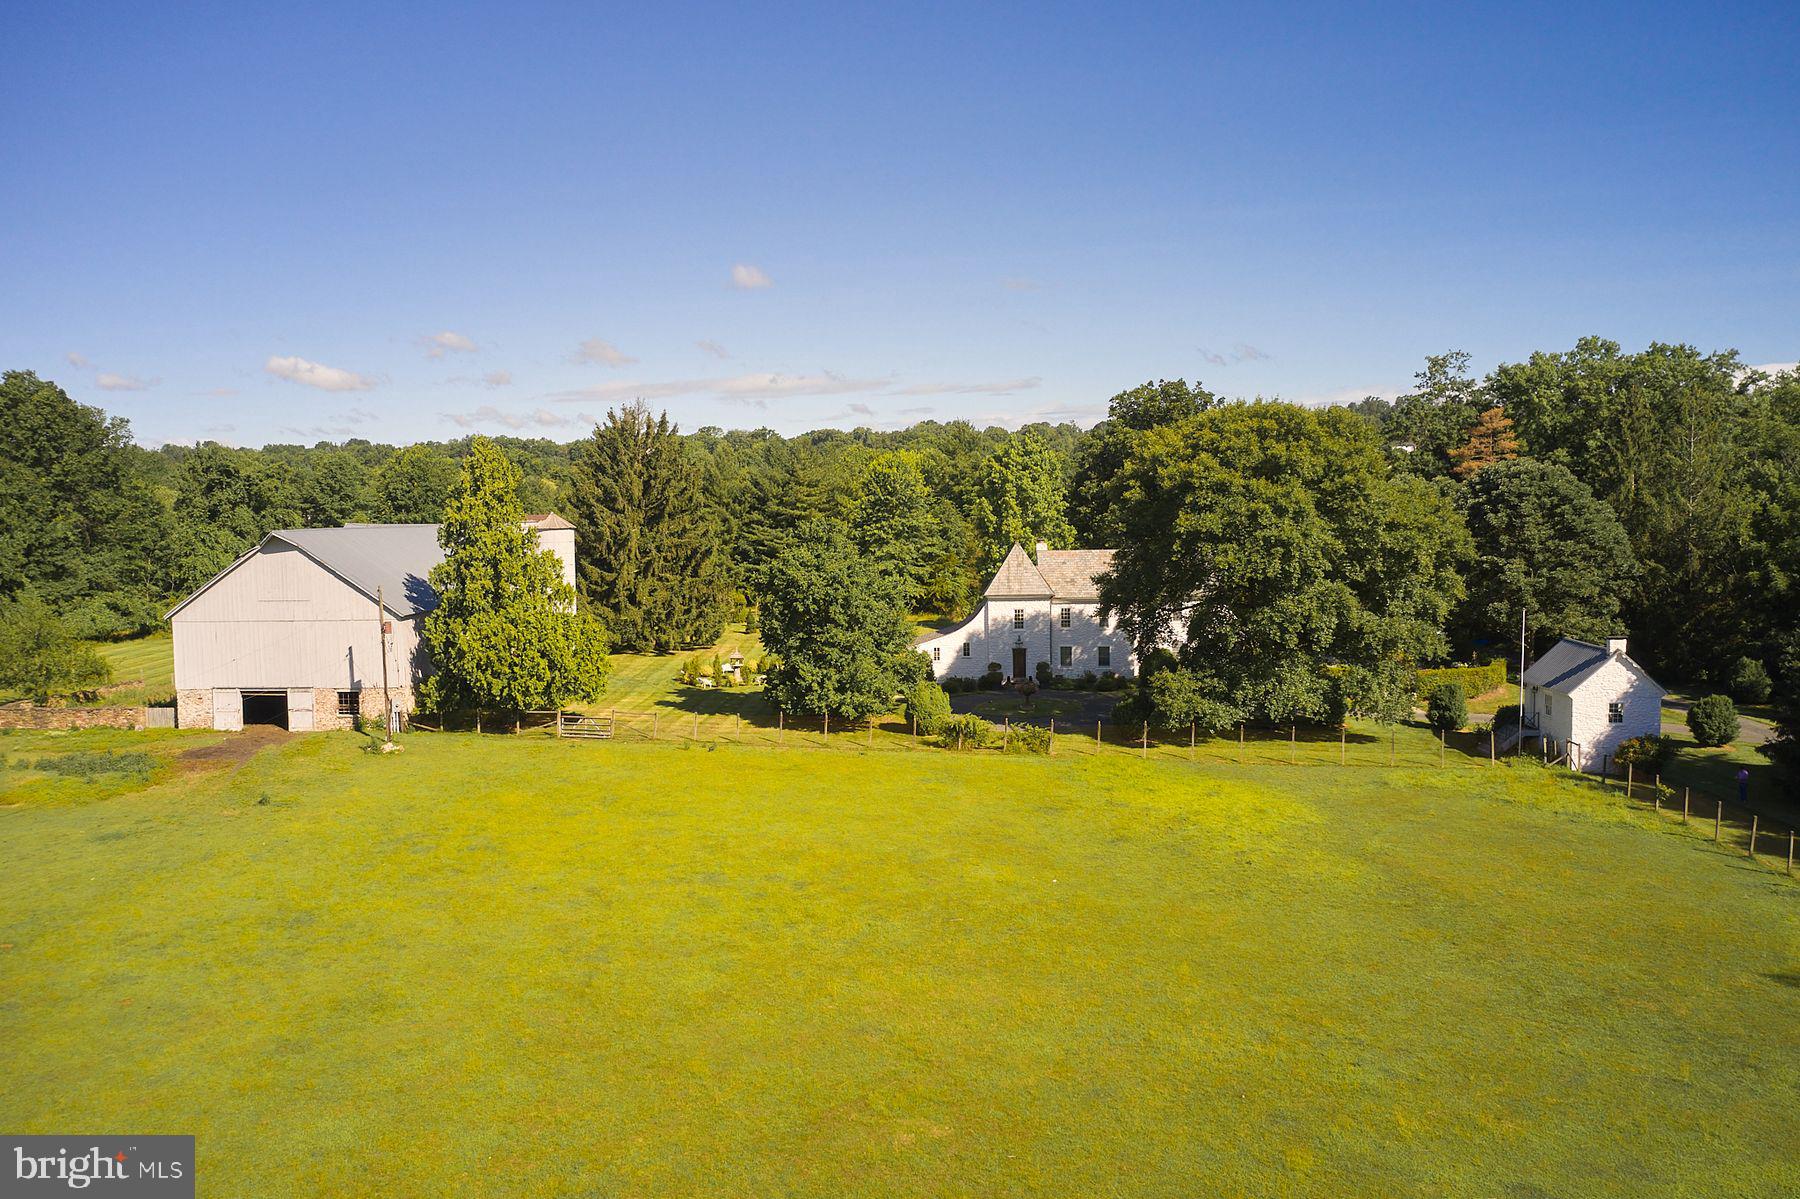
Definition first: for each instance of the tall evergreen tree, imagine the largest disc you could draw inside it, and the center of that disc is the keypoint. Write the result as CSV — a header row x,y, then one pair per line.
x,y
1021,495
506,633
1490,441
647,545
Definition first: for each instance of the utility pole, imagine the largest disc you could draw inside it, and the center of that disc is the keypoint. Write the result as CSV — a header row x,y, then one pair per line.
x,y
387,695
1521,676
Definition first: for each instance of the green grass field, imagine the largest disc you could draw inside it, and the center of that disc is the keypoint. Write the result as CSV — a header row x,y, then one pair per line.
x,y
515,967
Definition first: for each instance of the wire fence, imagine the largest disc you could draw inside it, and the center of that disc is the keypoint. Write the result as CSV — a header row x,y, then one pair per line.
x,y
1731,825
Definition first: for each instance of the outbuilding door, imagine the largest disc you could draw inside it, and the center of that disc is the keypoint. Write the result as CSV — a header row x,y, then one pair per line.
x,y
228,708
1018,661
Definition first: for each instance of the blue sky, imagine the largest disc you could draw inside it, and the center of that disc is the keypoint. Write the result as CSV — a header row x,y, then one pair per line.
x,y
400,223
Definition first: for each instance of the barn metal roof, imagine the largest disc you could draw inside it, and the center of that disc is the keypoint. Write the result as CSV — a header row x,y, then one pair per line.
x,y
394,560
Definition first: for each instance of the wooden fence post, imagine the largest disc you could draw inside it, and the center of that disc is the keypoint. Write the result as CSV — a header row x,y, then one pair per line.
x,y
1684,805
1146,738
1718,821
559,724
915,726
1240,743
1192,726
1491,757
1096,734
1393,744
1630,777
1790,852
871,730
780,725
1052,750
827,733
696,726
1753,819
1005,732
1293,745
1441,736
1343,745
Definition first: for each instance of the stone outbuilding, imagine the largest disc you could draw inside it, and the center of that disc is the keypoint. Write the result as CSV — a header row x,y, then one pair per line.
x,y
293,634
1588,699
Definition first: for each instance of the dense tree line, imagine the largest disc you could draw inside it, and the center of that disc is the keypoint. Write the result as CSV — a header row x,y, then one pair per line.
x,y
1595,489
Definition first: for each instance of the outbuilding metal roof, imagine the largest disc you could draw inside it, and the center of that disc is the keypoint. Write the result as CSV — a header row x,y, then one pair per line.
x,y
1568,663
392,560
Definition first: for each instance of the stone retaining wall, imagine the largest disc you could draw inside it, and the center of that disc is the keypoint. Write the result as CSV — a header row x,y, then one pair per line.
x,y
72,718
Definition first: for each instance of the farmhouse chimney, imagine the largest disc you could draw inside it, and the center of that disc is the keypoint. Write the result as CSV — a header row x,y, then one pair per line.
x,y
1043,548
1615,645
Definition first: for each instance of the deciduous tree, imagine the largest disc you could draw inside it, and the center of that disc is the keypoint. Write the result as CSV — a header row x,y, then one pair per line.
x,y
1021,496
506,632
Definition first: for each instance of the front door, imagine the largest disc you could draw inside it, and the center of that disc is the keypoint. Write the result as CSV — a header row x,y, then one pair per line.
x,y
1018,662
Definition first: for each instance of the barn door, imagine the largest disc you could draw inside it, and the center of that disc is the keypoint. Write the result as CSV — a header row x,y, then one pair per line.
x,y
228,708
300,710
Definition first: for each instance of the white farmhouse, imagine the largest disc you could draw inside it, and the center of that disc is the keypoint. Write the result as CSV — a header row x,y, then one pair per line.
x,y
1047,611
1590,698
291,634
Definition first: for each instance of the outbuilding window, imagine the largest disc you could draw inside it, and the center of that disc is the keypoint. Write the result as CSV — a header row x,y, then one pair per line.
x,y
1615,712
937,653
1104,654
347,703
965,649
1065,623
1547,705
1018,618
1068,653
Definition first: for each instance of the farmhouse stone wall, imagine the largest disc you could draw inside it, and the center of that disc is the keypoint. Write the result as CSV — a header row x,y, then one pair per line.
x,y
194,708
992,636
72,718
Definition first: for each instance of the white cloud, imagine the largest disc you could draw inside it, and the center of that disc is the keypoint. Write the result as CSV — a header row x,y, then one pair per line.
x,y
1772,368
541,418
749,278
312,374
439,344
991,389
600,352
713,348
76,359
1346,395
107,381
497,378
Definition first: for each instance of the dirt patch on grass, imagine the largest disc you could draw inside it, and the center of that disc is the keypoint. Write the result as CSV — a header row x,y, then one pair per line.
x,y
235,749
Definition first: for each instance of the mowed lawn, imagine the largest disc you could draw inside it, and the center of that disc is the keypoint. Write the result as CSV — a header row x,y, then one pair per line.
x,y
515,967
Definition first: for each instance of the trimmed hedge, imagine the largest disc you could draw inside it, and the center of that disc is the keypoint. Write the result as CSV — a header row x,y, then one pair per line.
x,y
1475,680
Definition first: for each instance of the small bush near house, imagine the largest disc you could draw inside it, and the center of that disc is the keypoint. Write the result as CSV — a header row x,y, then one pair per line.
x,y
1028,739
967,731
928,705
1109,682
1649,752
1089,681
1446,708
1750,683
993,678
1713,720
1045,676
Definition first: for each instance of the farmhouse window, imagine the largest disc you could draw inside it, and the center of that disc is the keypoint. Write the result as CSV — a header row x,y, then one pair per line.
x,y
965,649
1068,653
347,703
1615,712
1104,654
937,652
1018,618
1065,623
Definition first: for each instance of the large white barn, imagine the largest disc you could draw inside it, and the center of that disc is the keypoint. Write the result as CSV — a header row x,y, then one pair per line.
x,y
1588,699
291,633
1032,612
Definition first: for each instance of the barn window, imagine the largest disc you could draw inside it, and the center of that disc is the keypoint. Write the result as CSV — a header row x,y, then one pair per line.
x,y
1104,653
1065,623
965,649
937,652
1615,712
1547,705
1018,618
347,703
1068,653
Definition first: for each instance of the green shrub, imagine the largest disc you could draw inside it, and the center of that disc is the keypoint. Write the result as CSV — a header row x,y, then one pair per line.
x,y
1028,739
967,731
1650,752
993,678
1475,680
928,706
1713,720
1750,683
1446,708
1089,681
1045,676
1109,682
